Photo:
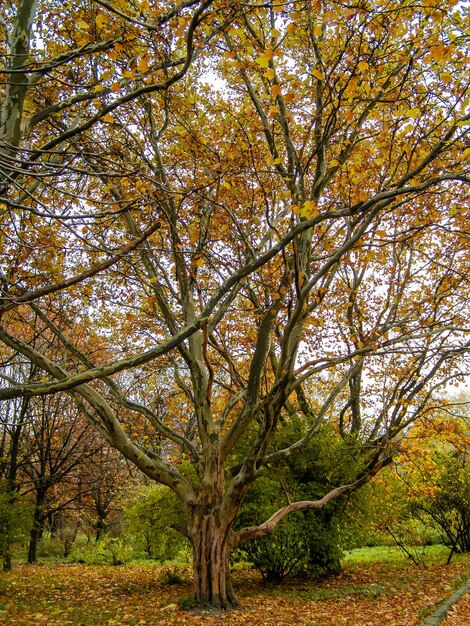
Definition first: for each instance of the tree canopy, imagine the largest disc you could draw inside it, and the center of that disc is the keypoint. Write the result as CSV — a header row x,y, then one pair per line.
x,y
220,218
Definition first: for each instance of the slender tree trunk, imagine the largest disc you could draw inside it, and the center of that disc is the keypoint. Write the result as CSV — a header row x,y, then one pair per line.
x,y
211,540
12,475
36,531
33,542
101,527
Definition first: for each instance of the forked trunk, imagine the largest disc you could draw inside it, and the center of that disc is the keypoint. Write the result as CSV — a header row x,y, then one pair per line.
x,y
211,571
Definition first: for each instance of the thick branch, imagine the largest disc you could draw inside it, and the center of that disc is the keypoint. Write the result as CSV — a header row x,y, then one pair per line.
x,y
267,527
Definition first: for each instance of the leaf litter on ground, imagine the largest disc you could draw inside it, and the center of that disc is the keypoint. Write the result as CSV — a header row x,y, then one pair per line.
x,y
369,594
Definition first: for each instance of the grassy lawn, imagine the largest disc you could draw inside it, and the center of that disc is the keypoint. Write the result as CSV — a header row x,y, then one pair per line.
x,y
378,587
429,554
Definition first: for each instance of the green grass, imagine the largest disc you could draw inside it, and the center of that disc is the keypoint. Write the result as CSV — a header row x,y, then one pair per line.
x,y
364,591
393,554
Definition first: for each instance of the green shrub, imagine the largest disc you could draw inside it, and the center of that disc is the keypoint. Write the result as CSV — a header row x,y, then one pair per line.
x,y
15,522
106,551
50,547
310,542
173,576
302,545
148,521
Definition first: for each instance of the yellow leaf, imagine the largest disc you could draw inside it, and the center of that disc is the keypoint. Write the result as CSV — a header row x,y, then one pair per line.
x,y
275,91
128,74
265,57
98,87
413,113
143,64
101,20
288,98
277,161
333,163
309,209
108,118
115,87
317,74
291,28
82,25
438,52
269,74
466,154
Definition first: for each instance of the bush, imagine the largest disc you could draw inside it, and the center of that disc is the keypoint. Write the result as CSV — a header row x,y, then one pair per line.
x,y
306,543
173,576
447,508
148,520
15,522
278,556
106,551
50,547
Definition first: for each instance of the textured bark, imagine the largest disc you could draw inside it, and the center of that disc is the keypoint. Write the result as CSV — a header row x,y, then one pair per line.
x,y
212,543
11,113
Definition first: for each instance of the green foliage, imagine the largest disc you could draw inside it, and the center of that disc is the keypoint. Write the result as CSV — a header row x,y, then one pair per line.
x,y
15,521
304,544
148,520
188,603
307,543
173,576
50,547
106,551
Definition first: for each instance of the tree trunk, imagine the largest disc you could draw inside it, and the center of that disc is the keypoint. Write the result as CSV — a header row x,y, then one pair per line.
x,y
212,542
36,531
33,543
101,527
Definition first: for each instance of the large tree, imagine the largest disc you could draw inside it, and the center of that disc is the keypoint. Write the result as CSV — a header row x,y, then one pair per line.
x,y
260,207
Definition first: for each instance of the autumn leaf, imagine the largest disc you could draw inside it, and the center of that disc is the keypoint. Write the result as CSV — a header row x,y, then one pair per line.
x,y
101,20
309,209
143,64
317,74
264,58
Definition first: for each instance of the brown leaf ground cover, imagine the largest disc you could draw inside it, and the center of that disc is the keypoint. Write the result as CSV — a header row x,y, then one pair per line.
x,y
365,594
459,614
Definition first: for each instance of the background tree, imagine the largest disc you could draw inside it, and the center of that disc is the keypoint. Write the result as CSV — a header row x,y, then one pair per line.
x,y
105,479
14,425
59,441
436,472
269,204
